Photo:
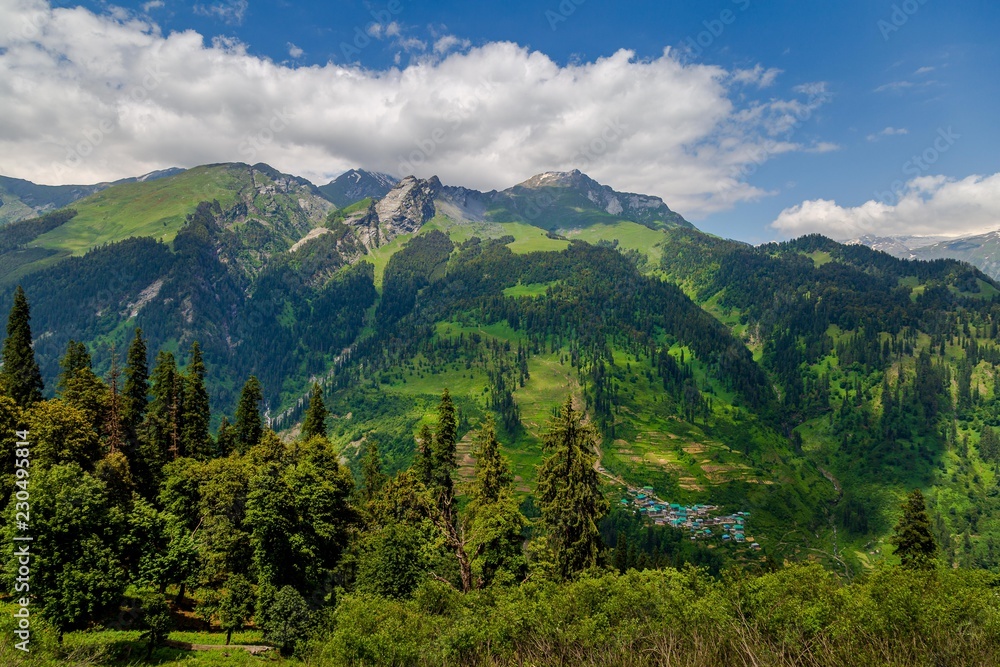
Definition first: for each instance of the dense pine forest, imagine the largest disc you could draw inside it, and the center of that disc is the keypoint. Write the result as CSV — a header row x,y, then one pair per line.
x,y
144,523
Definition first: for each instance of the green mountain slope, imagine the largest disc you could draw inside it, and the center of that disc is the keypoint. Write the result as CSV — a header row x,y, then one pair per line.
x,y
809,383
888,372
21,199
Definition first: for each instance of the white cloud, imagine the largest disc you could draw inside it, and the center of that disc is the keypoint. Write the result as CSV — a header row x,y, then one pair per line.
x,y
449,42
230,11
152,4
295,51
411,44
86,98
927,205
759,76
924,70
888,132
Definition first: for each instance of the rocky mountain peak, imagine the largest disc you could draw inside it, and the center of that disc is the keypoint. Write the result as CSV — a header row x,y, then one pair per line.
x,y
403,210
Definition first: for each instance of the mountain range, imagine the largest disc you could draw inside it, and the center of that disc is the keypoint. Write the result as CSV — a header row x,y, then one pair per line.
x,y
980,250
810,382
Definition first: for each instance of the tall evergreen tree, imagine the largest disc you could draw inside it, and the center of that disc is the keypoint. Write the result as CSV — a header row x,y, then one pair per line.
x,y
496,524
135,393
20,377
78,386
195,437
315,421
115,428
445,452
423,461
163,425
569,493
249,426
912,536
493,473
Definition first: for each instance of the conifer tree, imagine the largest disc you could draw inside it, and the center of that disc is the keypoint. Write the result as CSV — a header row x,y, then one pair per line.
x,y
315,421
912,536
115,428
493,474
496,523
444,452
195,437
163,417
135,393
78,386
569,493
20,377
249,426
423,462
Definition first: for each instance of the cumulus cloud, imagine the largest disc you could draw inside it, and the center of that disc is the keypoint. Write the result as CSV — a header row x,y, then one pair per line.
x,y
87,97
928,205
295,51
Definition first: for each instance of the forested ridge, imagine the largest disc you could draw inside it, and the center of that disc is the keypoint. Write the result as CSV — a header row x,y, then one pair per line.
x,y
421,453
142,522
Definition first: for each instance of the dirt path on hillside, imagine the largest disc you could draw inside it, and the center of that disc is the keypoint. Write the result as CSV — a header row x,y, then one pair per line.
x,y
601,470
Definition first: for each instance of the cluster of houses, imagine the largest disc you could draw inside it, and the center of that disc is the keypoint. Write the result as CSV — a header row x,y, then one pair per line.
x,y
701,521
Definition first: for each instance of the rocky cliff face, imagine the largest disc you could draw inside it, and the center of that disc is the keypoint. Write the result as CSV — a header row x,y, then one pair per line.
x,y
403,210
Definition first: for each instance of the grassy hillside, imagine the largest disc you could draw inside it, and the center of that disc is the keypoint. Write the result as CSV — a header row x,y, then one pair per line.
x,y
155,209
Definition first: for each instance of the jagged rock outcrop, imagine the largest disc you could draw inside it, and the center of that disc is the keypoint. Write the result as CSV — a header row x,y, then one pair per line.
x,y
403,210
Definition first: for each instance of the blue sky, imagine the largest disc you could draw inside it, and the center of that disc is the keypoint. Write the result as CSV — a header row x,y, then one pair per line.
x,y
899,80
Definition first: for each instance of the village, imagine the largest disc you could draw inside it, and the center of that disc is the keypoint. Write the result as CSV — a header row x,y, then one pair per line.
x,y
701,521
